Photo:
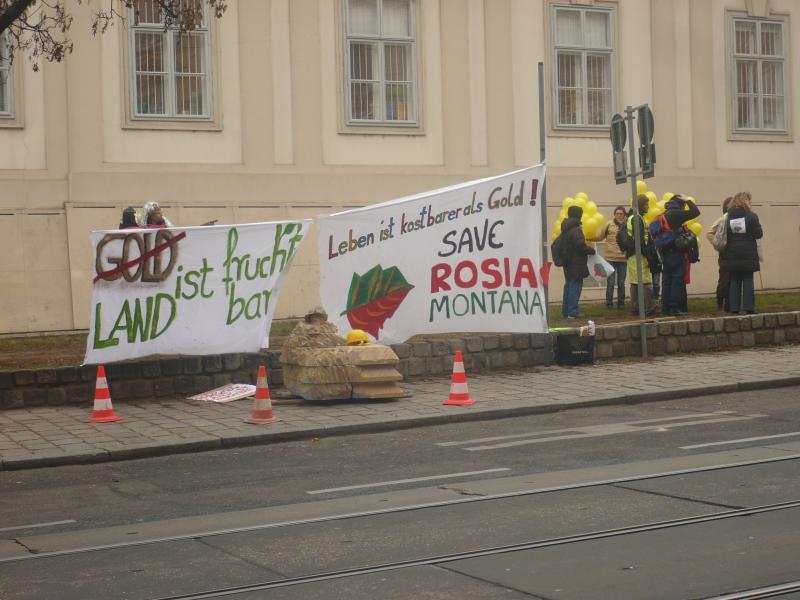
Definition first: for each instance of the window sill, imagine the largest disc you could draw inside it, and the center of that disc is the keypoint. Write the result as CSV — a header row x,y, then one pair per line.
x,y
384,130
760,136
11,122
171,125
593,133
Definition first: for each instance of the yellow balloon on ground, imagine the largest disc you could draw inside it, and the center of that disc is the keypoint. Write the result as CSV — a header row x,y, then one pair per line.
x,y
583,195
641,187
591,208
568,201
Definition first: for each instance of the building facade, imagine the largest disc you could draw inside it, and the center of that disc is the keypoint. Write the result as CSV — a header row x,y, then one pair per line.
x,y
294,108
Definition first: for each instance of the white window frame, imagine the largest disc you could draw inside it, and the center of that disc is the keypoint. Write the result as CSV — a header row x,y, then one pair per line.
x,y
170,97
758,59
583,50
381,40
7,71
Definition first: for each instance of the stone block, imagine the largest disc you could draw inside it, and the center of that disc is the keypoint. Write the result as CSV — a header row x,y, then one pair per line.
x,y
706,325
522,341
457,345
496,359
778,336
657,347
709,342
120,390
665,328
46,376
609,333
203,383
183,384
6,380
748,339
763,337
785,319
276,377
680,328
719,324
402,368
633,348
212,363
68,375
435,365
745,324
417,366
623,333
163,387
770,321
440,347
142,388
731,324
12,399
171,367
474,343
34,396
527,358
651,331
192,365
757,321
696,343
735,339
88,373
603,350
421,349
376,391
402,350
685,344
78,393
538,341
618,348
511,358
722,340
506,341
232,362
694,326
491,342
23,378
540,357
793,334
672,345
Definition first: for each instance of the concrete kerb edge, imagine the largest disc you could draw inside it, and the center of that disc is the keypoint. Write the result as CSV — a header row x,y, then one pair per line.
x,y
267,437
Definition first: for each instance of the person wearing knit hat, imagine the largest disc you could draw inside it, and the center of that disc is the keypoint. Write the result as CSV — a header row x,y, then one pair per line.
x,y
575,250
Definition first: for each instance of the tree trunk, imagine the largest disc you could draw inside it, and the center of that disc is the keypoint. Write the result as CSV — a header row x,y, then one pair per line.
x,y
12,13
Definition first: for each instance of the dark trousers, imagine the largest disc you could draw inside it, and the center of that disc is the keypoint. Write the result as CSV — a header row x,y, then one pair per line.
x,y
673,288
723,287
742,292
571,298
618,278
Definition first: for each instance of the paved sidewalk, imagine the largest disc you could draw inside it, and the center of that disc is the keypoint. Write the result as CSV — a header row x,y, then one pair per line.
x,y
47,436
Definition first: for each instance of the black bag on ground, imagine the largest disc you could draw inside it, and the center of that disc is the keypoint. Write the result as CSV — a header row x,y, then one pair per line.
x,y
573,349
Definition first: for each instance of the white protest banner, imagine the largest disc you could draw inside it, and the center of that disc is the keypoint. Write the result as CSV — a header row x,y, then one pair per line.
x,y
187,290
464,258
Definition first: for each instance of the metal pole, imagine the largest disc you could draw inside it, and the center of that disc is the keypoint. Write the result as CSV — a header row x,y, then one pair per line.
x,y
543,202
637,226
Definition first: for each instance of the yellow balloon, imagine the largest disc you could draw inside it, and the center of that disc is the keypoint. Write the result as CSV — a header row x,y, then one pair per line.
x,y
667,196
583,195
562,214
589,231
568,202
660,204
580,202
696,228
641,187
591,208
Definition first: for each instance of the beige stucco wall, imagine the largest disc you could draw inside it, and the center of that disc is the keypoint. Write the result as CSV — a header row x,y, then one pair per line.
x,y
280,150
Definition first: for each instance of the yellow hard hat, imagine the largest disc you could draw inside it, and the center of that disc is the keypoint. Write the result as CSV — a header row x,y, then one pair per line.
x,y
357,337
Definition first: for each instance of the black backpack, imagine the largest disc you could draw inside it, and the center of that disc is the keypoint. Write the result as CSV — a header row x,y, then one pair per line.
x,y
625,240
557,251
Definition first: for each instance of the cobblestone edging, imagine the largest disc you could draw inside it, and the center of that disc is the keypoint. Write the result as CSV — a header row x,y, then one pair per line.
x,y
183,376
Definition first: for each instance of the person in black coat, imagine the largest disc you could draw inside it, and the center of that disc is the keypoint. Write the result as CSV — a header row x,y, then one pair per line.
x,y
128,219
674,259
575,250
740,258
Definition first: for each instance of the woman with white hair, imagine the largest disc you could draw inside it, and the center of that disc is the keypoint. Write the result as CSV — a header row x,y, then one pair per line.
x,y
153,218
741,253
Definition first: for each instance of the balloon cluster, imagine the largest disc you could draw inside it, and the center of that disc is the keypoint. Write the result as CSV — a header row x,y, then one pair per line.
x,y
591,221
655,207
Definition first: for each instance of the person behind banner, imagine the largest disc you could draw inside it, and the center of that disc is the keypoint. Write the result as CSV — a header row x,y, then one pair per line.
x,y
616,256
741,253
153,218
129,219
575,250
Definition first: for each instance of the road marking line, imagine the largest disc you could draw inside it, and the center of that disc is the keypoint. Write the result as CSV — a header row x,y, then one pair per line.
x,y
574,429
37,525
399,481
602,431
750,439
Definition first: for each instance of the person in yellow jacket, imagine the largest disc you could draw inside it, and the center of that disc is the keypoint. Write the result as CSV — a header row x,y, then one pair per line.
x,y
650,305
616,256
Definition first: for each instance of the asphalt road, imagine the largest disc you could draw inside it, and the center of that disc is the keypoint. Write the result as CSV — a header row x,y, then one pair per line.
x,y
496,483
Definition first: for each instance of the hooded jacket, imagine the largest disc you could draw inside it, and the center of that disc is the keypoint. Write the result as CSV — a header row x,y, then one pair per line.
x,y
575,248
741,251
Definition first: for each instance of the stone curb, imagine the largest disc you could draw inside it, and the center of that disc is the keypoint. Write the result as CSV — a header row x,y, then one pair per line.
x,y
153,450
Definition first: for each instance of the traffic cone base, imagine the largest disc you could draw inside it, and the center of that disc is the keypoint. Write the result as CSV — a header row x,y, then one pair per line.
x,y
103,412
459,391
262,404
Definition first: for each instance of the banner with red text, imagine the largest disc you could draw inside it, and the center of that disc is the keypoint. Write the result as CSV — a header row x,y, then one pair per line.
x,y
187,290
464,258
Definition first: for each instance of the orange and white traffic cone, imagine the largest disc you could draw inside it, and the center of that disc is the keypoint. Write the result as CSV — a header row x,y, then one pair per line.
x,y
459,392
103,411
262,405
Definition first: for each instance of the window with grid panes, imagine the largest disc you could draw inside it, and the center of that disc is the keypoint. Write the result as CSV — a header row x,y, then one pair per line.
x,y
583,55
759,97
170,69
380,68
6,81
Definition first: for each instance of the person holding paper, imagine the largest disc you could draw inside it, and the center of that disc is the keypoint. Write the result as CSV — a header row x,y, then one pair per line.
x,y
575,269
741,253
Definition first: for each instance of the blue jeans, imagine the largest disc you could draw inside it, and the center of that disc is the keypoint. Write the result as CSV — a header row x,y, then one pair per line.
x,y
672,283
742,293
572,295
618,277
